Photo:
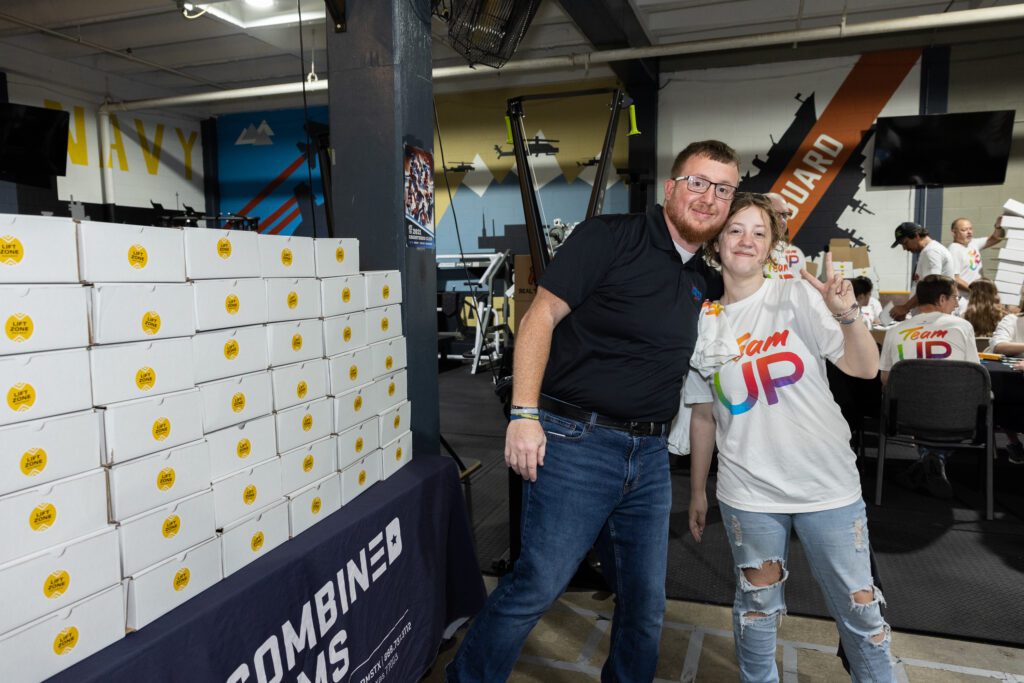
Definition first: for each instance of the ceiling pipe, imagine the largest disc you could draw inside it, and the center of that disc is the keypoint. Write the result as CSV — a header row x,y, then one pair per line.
x,y
841,31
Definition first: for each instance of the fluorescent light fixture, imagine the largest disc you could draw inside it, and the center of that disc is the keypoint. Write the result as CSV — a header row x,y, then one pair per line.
x,y
237,12
260,4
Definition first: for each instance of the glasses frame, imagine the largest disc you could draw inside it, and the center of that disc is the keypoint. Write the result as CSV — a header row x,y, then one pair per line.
x,y
732,189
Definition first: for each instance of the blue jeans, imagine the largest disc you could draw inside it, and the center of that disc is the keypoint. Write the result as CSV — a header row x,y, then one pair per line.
x,y
592,477
837,549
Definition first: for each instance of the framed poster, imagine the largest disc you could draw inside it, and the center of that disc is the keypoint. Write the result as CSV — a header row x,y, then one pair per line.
x,y
419,198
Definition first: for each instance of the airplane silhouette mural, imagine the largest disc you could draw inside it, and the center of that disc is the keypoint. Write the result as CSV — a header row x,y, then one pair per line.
x,y
537,146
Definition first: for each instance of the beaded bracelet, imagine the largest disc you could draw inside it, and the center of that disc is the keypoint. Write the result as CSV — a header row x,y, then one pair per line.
x,y
844,314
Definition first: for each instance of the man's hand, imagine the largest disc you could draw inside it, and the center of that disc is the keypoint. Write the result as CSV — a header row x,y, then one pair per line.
x,y
698,514
524,447
899,312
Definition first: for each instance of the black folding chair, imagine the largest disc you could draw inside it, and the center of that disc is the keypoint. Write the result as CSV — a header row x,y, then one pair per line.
x,y
938,404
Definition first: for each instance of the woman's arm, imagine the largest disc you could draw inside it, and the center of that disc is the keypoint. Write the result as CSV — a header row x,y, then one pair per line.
x,y
702,445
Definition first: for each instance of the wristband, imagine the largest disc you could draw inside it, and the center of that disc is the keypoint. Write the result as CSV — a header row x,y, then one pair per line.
x,y
841,316
844,321
524,416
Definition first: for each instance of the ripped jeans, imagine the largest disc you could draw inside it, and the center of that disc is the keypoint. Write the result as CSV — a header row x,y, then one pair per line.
x,y
836,545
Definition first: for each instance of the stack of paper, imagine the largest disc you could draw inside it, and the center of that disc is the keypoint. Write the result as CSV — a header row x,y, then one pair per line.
x,y
1010,272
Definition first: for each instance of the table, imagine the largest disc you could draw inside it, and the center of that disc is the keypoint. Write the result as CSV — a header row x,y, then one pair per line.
x,y
1008,390
309,611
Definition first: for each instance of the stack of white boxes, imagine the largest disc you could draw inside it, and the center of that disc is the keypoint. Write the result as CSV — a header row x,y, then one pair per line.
x,y
1010,273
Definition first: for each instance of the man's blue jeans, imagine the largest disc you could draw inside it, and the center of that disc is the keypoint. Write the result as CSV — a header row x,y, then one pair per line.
x,y
592,477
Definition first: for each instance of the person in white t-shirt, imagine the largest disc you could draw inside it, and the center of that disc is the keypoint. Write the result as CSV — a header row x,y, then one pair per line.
x,y
870,307
932,259
786,260
966,253
784,456
1008,339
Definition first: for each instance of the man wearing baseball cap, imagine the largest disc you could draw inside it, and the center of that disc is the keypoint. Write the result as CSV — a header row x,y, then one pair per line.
x,y
932,259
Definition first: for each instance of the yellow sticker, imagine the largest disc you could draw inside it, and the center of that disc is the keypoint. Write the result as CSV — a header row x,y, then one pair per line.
x,y
357,404
293,299
346,334
137,256
398,420
19,327
56,584
257,541
384,324
353,372
359,444
249,494
339,254
65,641
385,292
362,477
307,422
33,462
391,389
224,248
165,479
296,342
286,257
232,304
171,526
42,517
181,579
243,448
388,362
398,454
145,378
231,349
346,295
301,389
11,250
315,507
21,397
151,322
161,428
307,462
238,402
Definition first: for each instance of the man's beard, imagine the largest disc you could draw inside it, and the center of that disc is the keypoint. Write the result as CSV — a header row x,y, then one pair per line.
x,y
694,233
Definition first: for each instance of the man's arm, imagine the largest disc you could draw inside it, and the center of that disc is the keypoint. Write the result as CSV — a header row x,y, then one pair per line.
x,y
702,444
524,438
997,236
899,311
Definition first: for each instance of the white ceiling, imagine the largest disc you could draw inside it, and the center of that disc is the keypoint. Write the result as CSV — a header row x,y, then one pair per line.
x,y
136,49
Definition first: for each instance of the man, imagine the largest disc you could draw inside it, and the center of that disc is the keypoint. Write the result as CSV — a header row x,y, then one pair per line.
x,y
932,259
599,363
786,260
966,253
933,333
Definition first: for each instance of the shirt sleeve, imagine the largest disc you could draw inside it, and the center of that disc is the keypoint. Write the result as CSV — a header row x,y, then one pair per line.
x,y
886,360
582,262
819,324
696,389
1005,331
970,345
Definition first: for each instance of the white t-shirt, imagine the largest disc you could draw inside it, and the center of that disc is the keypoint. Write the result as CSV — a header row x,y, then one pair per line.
x,y
1010,329
934,259
929,335
785,262
872,312
783,443
967,259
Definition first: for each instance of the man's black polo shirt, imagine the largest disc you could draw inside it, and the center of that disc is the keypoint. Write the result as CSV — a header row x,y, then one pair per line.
x,y
623,349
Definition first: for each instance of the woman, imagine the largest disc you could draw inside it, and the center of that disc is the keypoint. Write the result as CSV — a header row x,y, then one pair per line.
x,y
784,455
1008,339
983,308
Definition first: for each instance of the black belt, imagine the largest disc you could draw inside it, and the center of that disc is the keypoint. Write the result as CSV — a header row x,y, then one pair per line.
x,y
568,410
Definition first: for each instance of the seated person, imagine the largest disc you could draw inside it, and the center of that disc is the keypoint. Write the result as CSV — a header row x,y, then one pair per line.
x,y
785,260
1008,339
870,307
983,308
933,333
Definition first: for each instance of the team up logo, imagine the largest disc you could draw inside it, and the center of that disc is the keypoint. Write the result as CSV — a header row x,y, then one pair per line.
x,y
762,371
924,344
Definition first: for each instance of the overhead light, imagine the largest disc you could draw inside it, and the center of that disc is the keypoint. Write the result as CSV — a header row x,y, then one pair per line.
x,y
249,14
260,4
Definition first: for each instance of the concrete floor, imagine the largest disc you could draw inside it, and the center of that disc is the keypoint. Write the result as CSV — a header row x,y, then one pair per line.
x,y
571,641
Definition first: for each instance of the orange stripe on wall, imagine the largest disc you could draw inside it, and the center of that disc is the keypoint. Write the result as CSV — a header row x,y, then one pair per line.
x,y
269,220
285,221
862,96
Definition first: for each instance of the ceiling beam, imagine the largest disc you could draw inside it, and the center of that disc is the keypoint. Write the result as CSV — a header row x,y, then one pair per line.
x,y
613,24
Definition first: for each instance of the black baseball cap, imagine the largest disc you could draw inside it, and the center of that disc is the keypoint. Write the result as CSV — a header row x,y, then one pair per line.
x,y
906,230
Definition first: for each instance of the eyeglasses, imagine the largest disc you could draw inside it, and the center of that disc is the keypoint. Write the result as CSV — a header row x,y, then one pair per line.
x,y
694,183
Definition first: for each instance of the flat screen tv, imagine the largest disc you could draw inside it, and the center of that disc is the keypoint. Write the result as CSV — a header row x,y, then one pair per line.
x,y
33,143
942,149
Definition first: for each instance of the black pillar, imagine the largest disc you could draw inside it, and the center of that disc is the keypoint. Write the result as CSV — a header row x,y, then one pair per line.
x,y
934,100
380,96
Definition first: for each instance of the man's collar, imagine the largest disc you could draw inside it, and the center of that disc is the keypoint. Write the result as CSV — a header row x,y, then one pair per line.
x,y
658,228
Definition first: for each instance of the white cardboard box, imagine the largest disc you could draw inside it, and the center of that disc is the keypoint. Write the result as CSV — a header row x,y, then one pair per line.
x,y
383,288
390,390
139,312
157,590
302,466
248,539
295,341
111,252
286,256
43,317
213,254
339,295
147,425
299,383
350,370
242,446
395,455
344,333
38,452
51,579
303,424
52,643
229,353
154,480
356,442
154,536
221,304
53,513
38,385
336,256
239,494
38,249
395,421
122,372
352,407
383,323
293,299
388,356
359,476
313,503
230,401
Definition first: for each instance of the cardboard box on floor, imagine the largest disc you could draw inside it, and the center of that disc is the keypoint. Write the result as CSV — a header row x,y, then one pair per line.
x,y
848,260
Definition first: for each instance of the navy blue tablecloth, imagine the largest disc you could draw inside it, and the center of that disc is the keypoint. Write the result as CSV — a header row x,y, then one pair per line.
x,y
1008,390
365,595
